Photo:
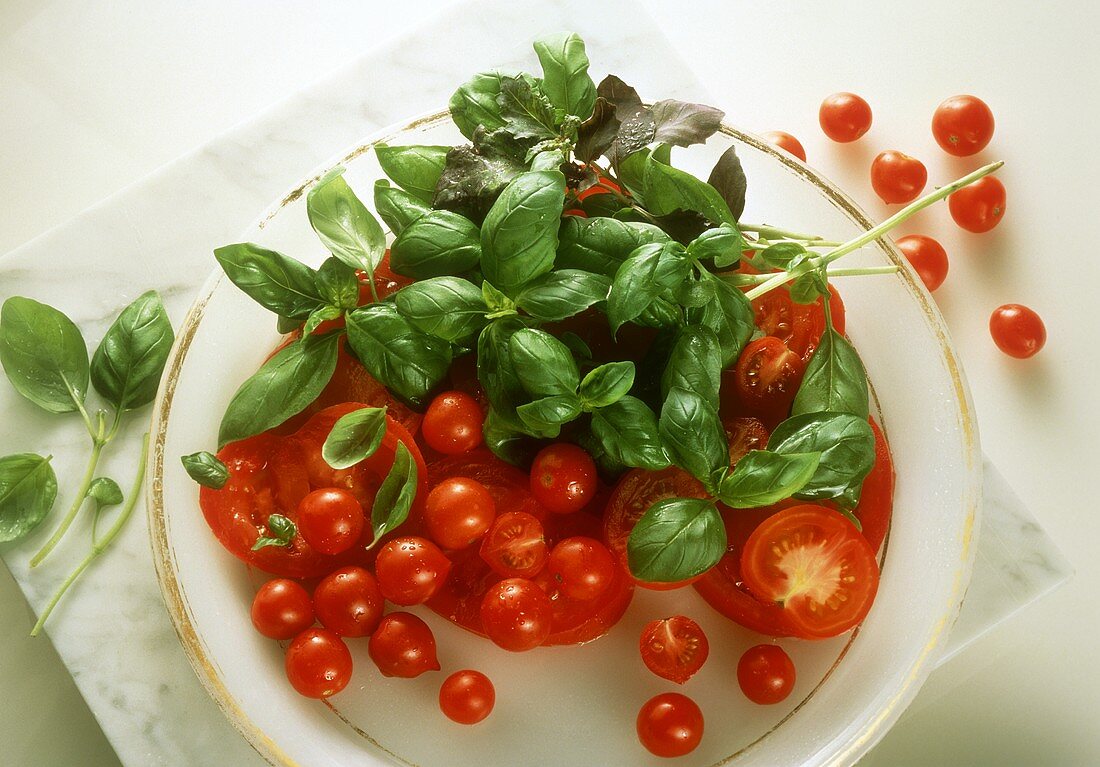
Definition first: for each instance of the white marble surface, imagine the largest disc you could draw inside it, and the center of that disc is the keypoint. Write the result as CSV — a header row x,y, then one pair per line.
x,y
138,238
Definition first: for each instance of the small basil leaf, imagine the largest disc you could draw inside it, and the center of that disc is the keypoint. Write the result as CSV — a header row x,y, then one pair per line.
x,y
496,301
562,293
280,532
445,307
354,437
395,496
337,284
475,104
286,325
274,281
694,364
128,363
693,436
28,489
283,387
661,313
496,371
669,189
577,345
847,446
835,380
544,364
319,317
397,207
600,245
729,314
693,293
723,245
627,431
473,178
105,492
206,469
762,478
728,177
551,159
410,363
438,243
565,74
676,539
43,354
505,442
416,169
780,255
554,410
520,236
809,287
344,224
681,123
607,384
526,109
648,271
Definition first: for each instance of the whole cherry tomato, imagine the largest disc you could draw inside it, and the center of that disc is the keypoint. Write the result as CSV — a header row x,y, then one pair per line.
x,y
765,674
458,512
516,614
670,725
674,648
331,520
927,257
979,207
1018,331
963,125
786,142
318,663
467,697
582,567
844,117
403,646
282,609
563,478
897,177
349,602
452,423
410,570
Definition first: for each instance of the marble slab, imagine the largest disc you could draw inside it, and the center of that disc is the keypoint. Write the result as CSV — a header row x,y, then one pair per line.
x,y
160,233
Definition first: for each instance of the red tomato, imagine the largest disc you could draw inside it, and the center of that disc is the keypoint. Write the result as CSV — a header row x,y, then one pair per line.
x,y
601,189
330,520
403,646
318,663
281,609
582,567
467,697
876,499
1018,331
799,326
979,207
897,177
844,117
516,614
670,725
768,374
927,257
744,435
349,602
817,565
515,545
674,648
458,512
563,478
786,142
452,423
963,125
410,570
766,674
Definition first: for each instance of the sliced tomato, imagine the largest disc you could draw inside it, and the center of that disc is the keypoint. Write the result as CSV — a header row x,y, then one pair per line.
x,y
799,326
744,435
515,546
768,375
674,648
814,563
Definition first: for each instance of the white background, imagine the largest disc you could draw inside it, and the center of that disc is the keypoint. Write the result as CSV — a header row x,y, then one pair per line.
x,y
94,97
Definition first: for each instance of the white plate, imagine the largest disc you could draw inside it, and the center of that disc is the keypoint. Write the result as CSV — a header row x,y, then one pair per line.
x,y
576,705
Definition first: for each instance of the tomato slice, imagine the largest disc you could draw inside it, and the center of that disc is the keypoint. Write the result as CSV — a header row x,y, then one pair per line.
x,y
744,435
799,326
768,375
270,474
674,648
814,562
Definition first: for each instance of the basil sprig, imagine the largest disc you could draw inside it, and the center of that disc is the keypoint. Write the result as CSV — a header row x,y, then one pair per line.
x,y
280,532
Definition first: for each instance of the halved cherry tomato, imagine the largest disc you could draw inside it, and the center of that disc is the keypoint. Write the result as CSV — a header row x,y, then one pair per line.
x,y
410,570
674,648
896,177
766,674
744,435
962,125
815,563
799,326
768,375
403,646
1017,330
670,724
515,546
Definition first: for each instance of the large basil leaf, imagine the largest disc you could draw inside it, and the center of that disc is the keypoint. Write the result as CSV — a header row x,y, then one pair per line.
x,y
562,293
438,243
695,364
526,109
607,384
496,371
410,363
544,364
344,224
206,469
520,236
274,281
847,446
354,437
446,307
601,244
397,207
729,314
565,74
676,539
694,437
667,189
728,177
649,271
670,122
416,169
28,489
623,97
396,495
43,354
723,245
627,431
283,387
550,411
473,178
762,478
661,313
475,104
835,379
127,366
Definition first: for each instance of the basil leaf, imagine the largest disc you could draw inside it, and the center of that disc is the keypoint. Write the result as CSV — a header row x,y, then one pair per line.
x,y
835,380
43,354
104,492
780,255
344,224
762,478
723,245
668,121
729,314
597,133
283,387
601,245
446,307
693,293
694,437
607,384
506,443
281,532
409,363
206,469
847,447
473,178
338,284
555,410
475,104
274,281
676,539
623,97
648,271
127,366
551,159
495,300
526,109
661,313
28,489
562,293
544,364
728,177
627,431
607,206
416,169
669,189
520,236
354,437
694,364
576,345
496,371
809,287
319,317
438,243
565,74
397,207
285,325
396,495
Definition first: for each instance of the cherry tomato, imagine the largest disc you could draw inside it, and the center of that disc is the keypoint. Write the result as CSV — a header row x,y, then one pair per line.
x,y
815,562
897,177
962,125
452,423
515,546
744,435
410,570
467,697
670,724
330,520
1018,331
563,478
516,614
582,567
318,663
979,207
403,646
844,117
349,602
799,326
768,374
281,609
674,648
786,142
458,512
766,674
927,257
